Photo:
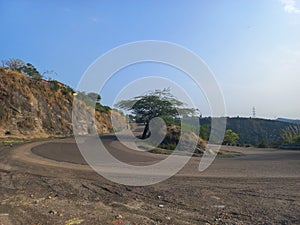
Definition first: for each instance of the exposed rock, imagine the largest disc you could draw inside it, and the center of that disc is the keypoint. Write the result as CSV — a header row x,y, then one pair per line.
x,y
189,141
53,212
119,216
31,108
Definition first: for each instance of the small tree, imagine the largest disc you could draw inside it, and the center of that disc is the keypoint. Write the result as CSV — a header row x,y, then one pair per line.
x,y
158,103
230,138
14,64
31,71
94,96
26,68
48,73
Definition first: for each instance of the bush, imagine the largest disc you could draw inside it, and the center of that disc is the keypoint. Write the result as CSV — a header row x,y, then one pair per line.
x,y
102,108
54,85
168,146
67,89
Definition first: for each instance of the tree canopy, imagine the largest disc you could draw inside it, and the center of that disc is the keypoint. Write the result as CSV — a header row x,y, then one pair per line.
x,y
157,103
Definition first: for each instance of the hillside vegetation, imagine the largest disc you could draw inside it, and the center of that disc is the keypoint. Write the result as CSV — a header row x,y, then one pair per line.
x,y
257,132
36,108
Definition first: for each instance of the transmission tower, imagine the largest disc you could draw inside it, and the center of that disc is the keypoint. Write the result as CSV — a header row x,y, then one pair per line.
x,y
253,112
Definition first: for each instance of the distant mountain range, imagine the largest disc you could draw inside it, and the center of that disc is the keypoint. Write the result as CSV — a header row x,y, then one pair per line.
x,y
288,120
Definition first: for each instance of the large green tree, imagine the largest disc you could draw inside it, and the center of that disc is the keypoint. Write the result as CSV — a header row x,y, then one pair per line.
x,y
158,103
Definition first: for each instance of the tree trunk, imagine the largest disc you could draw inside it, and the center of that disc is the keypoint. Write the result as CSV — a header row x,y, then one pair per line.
x,y
146,129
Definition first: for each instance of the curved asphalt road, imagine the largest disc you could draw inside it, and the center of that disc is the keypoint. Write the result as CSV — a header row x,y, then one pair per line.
x,y
69,152
253,162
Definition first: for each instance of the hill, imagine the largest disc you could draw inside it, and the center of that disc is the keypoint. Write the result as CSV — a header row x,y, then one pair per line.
x,y
288,120
36,108
255,131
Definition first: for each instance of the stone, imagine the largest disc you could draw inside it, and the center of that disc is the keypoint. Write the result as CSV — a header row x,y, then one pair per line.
x,y
53,212
119,216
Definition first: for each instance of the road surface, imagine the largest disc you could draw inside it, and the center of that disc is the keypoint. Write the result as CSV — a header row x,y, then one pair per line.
x,y
49,182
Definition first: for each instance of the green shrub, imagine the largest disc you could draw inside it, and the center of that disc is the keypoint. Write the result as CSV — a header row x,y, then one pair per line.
x,y
54,86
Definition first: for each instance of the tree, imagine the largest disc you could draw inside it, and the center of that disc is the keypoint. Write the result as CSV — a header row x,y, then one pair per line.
x,y
15,64
230,137
47,74
94,96
26,68
31,71
158,103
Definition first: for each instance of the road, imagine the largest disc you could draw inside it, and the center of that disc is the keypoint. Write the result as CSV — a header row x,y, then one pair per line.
x,y
49,182
252,163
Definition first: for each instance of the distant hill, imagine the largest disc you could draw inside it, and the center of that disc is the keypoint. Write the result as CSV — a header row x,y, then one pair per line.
x,y
254,131
35,108
288,120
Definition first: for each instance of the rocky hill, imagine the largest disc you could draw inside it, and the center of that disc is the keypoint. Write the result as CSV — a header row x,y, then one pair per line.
x,y
36,108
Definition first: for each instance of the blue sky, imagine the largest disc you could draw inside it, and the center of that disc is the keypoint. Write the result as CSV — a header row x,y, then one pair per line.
x,y
252,47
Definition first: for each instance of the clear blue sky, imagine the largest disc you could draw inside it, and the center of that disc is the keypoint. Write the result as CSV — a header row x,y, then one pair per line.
x,y
253,47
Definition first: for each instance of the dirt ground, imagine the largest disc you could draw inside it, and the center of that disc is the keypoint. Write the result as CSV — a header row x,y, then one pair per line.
x,y
260,187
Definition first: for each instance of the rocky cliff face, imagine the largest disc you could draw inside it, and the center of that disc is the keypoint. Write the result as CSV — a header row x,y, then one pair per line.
x,y
32,108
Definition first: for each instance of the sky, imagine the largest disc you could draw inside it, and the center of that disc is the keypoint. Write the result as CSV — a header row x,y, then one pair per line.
x,y
252,47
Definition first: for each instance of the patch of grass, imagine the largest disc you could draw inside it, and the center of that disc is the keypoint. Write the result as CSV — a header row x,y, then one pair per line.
x,y
14,141
168,152
10,142
161,151
74,221
228,154
156,150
